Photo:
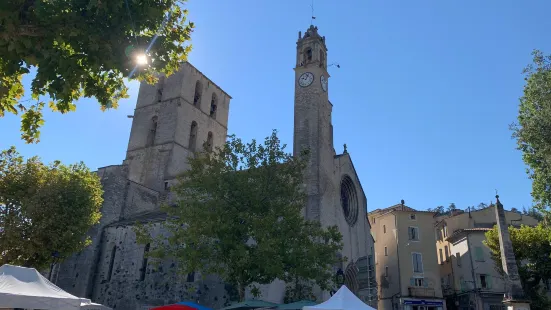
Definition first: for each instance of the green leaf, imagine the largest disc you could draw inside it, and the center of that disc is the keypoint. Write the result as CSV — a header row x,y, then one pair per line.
x,y
77,54
241,206
48,208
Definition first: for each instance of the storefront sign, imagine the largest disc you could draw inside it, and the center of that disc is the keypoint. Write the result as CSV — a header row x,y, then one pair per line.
x,y
423,302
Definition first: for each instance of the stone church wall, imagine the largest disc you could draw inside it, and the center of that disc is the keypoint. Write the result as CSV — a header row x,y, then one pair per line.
x,y
76,274
130,287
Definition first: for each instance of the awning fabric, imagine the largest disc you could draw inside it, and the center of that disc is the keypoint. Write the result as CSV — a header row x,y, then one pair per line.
x,y
343,299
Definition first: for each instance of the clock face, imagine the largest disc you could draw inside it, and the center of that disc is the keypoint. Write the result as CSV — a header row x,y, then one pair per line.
x,y
323,81
306,79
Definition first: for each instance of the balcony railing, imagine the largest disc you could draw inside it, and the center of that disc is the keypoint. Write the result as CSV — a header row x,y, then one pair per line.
x,y
421,292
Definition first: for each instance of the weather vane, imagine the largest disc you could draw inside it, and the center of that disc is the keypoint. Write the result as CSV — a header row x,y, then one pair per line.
x,y
313,17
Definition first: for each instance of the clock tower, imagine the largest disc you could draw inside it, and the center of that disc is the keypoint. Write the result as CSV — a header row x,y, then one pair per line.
x,y
312,120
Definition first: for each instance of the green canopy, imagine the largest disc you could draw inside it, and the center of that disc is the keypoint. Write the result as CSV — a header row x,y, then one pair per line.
x,y
296,305
250,304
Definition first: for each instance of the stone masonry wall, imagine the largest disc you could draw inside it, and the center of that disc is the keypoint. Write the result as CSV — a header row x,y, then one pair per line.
x,y
76,274
127,288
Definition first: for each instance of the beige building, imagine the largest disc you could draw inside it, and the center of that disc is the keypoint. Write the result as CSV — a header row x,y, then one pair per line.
x,y
405,259
468,275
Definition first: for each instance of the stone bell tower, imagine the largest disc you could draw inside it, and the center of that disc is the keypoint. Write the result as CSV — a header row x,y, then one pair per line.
x,y
312,121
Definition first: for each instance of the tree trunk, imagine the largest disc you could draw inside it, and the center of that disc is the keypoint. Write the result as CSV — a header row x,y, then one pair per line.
x,y
241,289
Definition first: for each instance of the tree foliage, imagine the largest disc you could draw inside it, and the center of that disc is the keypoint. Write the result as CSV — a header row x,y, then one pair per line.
x,y
533,131
44,209
439,210
83,49
531,245
239,216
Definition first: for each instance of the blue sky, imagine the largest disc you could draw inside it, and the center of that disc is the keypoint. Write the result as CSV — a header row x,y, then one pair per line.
x,y
423,98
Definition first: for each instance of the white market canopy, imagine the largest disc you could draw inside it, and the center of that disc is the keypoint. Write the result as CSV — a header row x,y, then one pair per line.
x,y
343,299
26,288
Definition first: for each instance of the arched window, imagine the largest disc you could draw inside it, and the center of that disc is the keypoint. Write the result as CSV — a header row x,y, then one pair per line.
x,y
152,132
192,136
322,59
213,105
308,55
208,145
198,93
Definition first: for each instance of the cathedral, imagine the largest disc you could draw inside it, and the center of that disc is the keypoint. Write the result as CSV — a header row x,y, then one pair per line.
x,y
172,119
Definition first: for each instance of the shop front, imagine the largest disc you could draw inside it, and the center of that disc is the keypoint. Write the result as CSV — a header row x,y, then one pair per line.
x,y
422,304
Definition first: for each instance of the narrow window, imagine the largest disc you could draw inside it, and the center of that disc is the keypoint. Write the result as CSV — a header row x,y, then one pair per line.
x,y
322,59
191,277
152,132
485,281
166,187
160,85
144,262
111,262
213,106
198,93
445,231
373,220
159,94
208,146
386,251
309,54
417,262
384,229
192,136
458,259
447,253
386,271
479,254
441,256
413,233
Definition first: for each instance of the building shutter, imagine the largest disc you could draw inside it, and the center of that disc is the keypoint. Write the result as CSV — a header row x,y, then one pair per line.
x,y
412,281
479,254
410,233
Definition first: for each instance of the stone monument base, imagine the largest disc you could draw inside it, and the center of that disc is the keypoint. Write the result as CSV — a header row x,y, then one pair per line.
x,y
516,305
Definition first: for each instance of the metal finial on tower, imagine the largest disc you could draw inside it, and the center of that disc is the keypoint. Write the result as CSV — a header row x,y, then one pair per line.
x,y
313,17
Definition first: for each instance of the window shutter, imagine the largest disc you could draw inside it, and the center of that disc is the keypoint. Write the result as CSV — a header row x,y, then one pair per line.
x,y
489,280
425,283
412,281
409,233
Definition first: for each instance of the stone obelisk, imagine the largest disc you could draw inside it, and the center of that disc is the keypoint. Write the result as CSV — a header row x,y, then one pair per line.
x,y
514,298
